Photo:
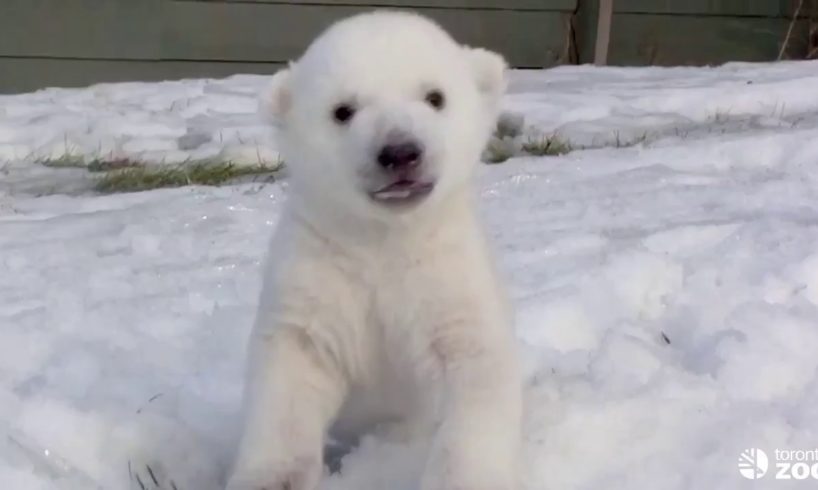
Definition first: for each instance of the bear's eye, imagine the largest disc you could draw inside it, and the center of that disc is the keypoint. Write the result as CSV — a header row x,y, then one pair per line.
x,y
343,113
436,99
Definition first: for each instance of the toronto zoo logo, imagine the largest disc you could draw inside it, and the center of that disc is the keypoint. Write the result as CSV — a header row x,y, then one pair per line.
x,y
753,463
790,464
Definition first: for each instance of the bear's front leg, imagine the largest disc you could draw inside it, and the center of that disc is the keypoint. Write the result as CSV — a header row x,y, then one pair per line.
x,y
290,399
477,444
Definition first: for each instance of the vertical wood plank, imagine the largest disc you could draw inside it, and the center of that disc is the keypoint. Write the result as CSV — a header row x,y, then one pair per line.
x,y
603,32
264,32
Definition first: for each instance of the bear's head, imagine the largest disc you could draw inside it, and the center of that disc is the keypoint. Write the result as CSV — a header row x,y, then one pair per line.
x,y
384,113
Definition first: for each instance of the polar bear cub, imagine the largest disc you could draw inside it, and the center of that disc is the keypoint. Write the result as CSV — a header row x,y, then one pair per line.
x,y
381,309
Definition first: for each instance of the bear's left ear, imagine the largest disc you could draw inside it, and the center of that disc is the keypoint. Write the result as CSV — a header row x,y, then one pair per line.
x,y
489,70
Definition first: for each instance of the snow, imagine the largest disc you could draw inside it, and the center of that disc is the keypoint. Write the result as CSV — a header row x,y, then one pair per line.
x,y
169,122
666,291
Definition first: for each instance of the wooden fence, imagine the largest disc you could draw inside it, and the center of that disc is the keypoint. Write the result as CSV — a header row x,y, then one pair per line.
x,y
77,42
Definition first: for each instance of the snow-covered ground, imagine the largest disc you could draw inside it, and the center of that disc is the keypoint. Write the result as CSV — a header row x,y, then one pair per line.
x,y
667,291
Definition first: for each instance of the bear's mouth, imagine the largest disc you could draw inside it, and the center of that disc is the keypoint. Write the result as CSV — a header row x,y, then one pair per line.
x,y
403,190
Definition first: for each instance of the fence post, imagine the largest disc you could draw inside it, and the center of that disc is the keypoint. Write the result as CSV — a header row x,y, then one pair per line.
x,y
603,32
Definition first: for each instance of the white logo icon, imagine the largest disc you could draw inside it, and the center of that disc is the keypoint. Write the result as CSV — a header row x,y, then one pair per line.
x,y
753,463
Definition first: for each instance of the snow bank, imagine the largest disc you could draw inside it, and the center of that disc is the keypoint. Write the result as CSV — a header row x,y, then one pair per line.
x,y
174,122
667,293
168,122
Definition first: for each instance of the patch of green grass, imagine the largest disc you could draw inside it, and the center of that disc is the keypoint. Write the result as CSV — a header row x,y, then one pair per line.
x,y
64,161
551,145
126,175
103,165
96,165
143,177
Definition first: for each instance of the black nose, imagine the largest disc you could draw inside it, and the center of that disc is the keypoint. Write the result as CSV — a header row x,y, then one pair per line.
x,y
400,156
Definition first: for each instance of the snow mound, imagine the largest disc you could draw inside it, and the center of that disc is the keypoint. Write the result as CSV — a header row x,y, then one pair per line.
x,y
666,293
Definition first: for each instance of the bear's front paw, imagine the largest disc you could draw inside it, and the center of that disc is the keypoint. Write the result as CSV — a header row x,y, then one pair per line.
x,y
301,475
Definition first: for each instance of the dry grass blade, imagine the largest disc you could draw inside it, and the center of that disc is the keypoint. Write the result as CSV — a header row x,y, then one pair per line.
x,y
794,19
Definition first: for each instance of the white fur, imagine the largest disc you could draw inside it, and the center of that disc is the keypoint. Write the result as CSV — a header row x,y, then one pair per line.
x,y
375,317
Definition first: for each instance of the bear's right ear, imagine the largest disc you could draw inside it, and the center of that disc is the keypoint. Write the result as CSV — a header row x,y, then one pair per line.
x,y
489,70
276,99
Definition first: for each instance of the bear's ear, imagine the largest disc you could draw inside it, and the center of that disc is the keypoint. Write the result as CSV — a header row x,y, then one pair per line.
x,y
489,69
277,96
